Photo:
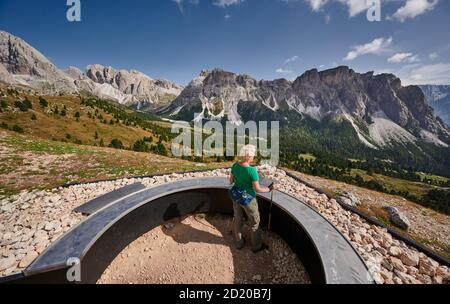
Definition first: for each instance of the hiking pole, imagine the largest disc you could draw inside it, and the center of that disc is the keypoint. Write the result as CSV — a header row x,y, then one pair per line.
x,y
271,205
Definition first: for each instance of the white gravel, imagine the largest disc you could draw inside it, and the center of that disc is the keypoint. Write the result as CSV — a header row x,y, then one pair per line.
x,y
31,221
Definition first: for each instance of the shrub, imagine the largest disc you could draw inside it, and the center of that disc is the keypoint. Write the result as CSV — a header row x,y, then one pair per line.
x,y
43,103
33,117
140,146
23,106
3,104
116,144
160,149
28,103
17,129
77,115
63,112
4,125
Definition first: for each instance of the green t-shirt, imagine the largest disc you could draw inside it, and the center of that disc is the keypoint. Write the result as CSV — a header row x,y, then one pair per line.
x,y
244,177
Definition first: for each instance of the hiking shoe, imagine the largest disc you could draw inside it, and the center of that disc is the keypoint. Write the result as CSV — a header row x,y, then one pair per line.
x,y
241,245
262,248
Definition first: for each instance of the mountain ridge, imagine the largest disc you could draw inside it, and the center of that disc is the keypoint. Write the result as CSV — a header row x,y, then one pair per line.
x,y
378,103
21,64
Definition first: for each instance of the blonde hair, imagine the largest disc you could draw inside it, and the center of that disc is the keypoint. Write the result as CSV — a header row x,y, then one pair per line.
x,y
247,153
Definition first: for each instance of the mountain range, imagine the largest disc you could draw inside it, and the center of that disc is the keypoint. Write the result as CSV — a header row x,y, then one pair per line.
x,y
23,65
331,109
378,107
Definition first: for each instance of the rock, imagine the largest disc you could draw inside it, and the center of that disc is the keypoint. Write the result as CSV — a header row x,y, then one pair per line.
x,y
7,263
406,278
345,200
397,218
48,226
257,277
397,264
395,251
425,267
442,271
28,259
387,264
410,258
387,275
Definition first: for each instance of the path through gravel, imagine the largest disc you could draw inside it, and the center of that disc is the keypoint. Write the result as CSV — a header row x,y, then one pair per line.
x,y
200,250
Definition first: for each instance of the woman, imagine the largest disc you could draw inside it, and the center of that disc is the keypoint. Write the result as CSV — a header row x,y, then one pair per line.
x,y
246,184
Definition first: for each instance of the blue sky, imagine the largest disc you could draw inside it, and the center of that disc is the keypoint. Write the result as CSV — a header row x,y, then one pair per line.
x,y
266,39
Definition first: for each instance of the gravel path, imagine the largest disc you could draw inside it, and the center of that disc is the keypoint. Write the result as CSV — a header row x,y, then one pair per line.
x,y
200,250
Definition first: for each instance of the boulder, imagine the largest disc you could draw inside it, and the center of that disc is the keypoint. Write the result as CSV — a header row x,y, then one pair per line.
x,y
397,218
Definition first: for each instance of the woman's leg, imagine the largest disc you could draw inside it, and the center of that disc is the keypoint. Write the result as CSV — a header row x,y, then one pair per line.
x,y
238,223
254,219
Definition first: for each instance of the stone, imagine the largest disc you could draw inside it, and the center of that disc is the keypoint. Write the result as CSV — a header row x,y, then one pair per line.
x,y
410,258
28,259
387,264
257,277
48,226
397,264
7,263
397,218
387,275
395,251
426,268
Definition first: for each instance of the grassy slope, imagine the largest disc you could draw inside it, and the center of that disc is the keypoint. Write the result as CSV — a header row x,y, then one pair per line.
x,y
32,163
57,127
44,156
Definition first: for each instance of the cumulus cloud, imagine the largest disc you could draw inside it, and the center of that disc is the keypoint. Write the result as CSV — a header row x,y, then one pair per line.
x,y
376,47
225,3
355,7
414,8
283,71
436,74
317,5
403,57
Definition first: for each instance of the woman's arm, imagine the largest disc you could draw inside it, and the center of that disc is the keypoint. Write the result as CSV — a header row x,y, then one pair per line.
x,y
260,189
231,179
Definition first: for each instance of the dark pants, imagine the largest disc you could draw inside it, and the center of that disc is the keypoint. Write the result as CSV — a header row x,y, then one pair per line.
x,y
253,216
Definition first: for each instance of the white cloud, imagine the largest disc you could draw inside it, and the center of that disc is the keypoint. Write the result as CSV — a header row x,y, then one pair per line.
x,y
227,17
376,47
433,56
414,8
356,7
292,59
283,71
327,19
179,4
404,57
317,5
437,74
225,3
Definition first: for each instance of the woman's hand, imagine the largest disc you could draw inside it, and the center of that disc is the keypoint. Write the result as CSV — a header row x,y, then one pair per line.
x,y
259,189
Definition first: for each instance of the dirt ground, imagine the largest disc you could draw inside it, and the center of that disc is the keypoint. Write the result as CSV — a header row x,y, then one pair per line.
x,y
199,250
